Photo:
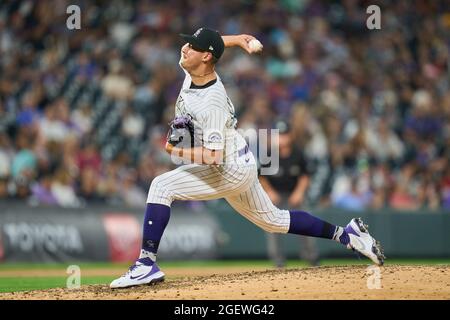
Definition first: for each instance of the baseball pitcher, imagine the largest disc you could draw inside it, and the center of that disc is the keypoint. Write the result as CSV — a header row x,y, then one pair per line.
x,y
220,164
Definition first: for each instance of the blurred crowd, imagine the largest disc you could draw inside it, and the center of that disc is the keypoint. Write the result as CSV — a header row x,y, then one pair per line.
x,y
84,113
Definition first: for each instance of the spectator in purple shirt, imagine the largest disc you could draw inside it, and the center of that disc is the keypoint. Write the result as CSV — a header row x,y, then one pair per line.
x,y
423,122
42,193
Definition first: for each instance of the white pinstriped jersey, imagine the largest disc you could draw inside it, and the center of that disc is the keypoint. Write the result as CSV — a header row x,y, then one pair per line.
x,y
236,180
213,116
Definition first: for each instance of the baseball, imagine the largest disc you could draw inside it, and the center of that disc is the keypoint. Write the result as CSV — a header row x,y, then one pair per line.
x,y
255,45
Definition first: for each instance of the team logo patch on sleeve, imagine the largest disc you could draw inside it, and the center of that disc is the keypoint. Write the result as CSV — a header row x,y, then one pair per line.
x,y
214,137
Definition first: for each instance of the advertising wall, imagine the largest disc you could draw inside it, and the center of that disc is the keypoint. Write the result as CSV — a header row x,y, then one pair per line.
x,y
414,234
99,234
103,233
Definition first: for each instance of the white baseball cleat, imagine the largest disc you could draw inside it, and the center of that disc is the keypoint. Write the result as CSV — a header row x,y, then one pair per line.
x,y
139,274
362,242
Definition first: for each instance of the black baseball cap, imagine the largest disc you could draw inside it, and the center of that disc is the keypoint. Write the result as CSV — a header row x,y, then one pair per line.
x,y
206,39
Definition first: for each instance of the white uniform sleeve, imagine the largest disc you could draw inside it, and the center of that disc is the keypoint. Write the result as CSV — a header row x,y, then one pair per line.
x,y
213,124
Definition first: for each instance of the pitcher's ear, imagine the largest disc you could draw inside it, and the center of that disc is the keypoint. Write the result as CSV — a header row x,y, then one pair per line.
x,y
207,57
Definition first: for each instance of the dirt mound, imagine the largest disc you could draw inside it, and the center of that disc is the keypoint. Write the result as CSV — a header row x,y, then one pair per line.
x,y
349,282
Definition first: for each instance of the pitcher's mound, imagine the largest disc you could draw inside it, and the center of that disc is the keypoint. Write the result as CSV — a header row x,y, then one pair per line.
x,y
347,282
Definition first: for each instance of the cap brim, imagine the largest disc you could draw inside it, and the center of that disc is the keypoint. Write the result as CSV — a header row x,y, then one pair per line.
x,y
190,39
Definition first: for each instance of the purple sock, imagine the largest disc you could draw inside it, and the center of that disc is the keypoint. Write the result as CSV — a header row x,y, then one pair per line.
x,y
155,221
307,225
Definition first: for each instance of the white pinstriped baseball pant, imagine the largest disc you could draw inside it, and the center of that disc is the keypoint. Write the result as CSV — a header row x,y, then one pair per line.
x,y
238,184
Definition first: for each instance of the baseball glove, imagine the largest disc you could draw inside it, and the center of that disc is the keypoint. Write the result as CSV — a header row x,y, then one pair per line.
x,y
181,132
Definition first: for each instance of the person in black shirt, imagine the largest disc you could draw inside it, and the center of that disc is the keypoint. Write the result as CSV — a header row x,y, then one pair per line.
x,y
287,189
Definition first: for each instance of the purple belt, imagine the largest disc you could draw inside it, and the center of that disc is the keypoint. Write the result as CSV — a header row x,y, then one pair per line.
x,y
243,151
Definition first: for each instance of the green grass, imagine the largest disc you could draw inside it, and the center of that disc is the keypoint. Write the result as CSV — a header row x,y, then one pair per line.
x,y
212,263
364,261
56,266
37,283
21,283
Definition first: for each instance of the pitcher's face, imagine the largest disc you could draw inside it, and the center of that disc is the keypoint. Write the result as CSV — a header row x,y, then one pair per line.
x,y
191,57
